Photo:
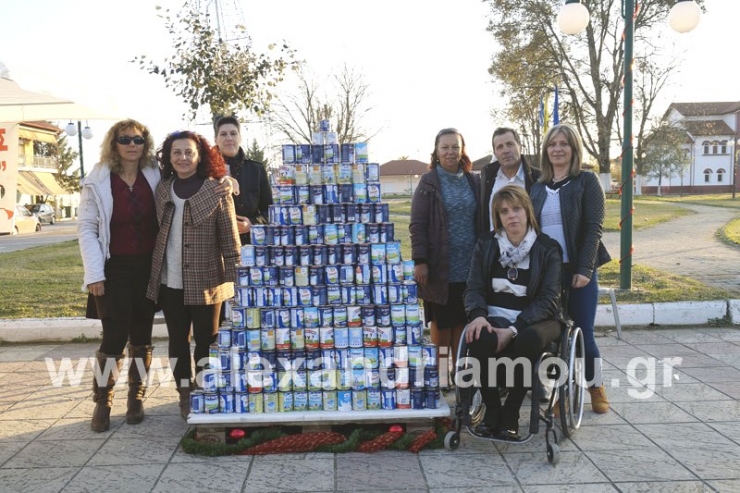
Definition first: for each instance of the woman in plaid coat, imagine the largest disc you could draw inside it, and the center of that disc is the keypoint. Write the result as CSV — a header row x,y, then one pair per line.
x,y
197,249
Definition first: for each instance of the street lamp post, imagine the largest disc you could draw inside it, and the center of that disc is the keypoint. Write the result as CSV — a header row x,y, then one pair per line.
x,y
684,17
73,130
733,144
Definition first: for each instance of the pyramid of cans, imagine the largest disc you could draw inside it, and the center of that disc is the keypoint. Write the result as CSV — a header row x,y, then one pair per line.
x,y
326,314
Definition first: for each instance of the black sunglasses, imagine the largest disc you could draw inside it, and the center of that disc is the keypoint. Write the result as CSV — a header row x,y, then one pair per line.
x,y
138,140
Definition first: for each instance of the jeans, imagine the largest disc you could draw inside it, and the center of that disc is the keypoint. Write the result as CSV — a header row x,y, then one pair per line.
x,y
582,311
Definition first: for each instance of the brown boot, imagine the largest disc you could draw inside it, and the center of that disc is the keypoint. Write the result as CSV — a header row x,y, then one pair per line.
x,y
140,360
185,401
599,401
103,395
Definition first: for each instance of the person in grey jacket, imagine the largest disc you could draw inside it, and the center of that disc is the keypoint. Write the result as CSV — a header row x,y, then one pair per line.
x,y
443,231
513,304
570,205
117,228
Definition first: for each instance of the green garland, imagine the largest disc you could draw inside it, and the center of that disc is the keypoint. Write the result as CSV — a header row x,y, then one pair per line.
x,y
261,435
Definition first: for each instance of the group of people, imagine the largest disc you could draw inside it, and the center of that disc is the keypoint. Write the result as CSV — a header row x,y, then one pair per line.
x,y
498,255
163,229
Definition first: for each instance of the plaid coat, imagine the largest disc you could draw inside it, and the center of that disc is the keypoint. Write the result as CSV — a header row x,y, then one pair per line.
x,y
210,241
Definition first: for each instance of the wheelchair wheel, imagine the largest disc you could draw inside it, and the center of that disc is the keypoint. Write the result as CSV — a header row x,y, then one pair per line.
x,y
572,390
477,409
452,440
553,453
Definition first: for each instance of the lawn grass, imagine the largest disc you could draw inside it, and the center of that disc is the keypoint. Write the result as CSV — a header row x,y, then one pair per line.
x,y
730,233
713,200
42,282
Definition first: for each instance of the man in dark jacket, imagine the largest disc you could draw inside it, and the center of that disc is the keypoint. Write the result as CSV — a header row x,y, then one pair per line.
x,y
255,193
510,168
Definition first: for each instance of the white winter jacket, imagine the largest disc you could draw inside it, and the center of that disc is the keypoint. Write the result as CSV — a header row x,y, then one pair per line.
x,y
93,223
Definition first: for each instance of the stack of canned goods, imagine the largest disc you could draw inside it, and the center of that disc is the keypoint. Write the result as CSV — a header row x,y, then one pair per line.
x,y
326,315
328,368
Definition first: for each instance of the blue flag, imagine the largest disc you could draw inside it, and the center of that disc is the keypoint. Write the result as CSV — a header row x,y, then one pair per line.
x,y
555,113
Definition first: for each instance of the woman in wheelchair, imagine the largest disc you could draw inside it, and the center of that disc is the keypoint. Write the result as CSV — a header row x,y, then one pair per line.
x,y
513,305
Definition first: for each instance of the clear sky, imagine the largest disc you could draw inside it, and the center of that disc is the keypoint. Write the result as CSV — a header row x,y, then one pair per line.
x,y
425,60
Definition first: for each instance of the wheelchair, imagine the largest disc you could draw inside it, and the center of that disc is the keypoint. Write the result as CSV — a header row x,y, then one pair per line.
x,y
562,363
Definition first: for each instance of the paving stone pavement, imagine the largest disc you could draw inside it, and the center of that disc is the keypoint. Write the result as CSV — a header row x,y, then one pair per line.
x,y
680,435
687,246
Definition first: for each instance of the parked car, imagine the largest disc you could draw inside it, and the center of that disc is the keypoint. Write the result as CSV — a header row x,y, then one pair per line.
x,y
25,222
44,212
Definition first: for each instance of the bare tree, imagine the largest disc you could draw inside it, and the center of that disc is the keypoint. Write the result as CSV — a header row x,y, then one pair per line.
x,y
297,114
589,68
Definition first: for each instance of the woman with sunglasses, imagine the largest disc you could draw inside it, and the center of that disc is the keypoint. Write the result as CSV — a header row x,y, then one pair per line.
x,y
196,252
117,229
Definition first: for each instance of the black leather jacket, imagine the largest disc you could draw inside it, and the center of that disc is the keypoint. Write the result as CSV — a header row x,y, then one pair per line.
x,y
545,282
488,179
255,194
582,206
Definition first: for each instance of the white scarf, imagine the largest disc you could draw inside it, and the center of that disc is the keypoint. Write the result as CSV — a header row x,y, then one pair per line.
x,y
509,254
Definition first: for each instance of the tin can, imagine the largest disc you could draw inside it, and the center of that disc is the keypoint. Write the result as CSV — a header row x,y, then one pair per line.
x,y
287,233
417,398
415,356
356,358
358,233
315,400
239,338
242,276
305,298
381,213
378,270
282,338
400,356
331,275
331,194
277,259
254,340
310,217
395,294
300,400
372,378
256,403
347,154
393,252
317,194
270,403
338,214
255,382
408,269
402,378
383,315
197,402
341,337
412,315
303,195
359,400
319,295
269,382
226,402
368,315
316,235
247,255
311,317
318,260
346,274
358,171
300,381
289,295
410,297
271,235
431,398
357,381
365,212
326,316
267,339
351,215
370,355
387,377
267,318
399,335
395,273
282,318
363,294
348,294
284,360
333,254
300,236
241,402
385,357
344,400
312,338
414,334
210,403
379,293
333,294
330,400
398,315
403,399
363,254
305,255
385,336
258,235
301,276
285,402
346,192
239,379
429,355
362,274
373,399
388,399
431,376
290,255
370,336
260,297
387,232
237,358
416,377
372,231
271,273
326,337
238,321
253,361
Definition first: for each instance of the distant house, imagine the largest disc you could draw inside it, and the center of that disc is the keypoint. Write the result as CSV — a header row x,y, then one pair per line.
x,y
711,130
400,177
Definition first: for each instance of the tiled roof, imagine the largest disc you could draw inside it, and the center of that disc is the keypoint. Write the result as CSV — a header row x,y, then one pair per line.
x,y
479,163
403,167
707,127
42,126
706,109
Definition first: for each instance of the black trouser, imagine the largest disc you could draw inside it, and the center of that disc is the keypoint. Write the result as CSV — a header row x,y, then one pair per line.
x,y
179,317
529,344
124,310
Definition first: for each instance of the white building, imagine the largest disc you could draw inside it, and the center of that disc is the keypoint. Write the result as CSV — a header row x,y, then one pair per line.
x,y
712,128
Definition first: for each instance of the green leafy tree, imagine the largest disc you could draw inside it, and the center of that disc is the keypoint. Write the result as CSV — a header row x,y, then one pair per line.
x,y
666,152
588,69
205,71
257,153
65,158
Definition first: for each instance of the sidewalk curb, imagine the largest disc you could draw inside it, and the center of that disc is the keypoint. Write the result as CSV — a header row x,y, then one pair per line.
x,y
686,313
